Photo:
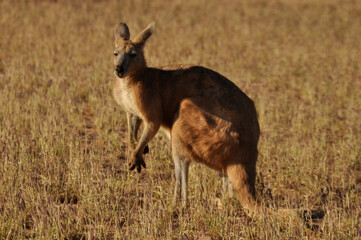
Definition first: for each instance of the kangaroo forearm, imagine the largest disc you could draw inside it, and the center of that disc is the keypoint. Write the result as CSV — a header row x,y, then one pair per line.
x,y
133,127
135,123
148,133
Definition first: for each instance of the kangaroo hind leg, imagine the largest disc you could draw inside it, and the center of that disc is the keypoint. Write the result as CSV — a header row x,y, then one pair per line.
x,y
181,178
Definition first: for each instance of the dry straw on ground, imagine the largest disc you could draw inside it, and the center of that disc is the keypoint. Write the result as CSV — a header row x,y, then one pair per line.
x,y
63,165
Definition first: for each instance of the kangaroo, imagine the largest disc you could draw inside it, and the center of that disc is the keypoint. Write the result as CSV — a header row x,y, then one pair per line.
x,y
207,117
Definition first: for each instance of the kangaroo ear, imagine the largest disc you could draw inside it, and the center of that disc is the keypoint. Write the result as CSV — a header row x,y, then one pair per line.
x,y
142,37
121,31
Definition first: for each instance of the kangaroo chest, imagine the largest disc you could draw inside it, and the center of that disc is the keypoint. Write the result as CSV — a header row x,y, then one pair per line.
x,y
124,96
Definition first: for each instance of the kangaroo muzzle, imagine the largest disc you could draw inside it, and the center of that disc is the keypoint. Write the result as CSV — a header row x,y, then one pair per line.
x,y
120,70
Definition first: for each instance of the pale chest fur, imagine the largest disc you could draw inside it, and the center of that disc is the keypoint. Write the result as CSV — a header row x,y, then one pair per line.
x,y
124,96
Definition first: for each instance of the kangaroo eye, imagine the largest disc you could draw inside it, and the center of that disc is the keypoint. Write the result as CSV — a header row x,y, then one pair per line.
x,y
115,54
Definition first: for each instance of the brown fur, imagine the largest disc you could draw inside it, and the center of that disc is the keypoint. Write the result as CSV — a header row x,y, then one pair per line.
x,y
210,120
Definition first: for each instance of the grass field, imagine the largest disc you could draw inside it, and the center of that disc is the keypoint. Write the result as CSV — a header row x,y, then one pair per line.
x,y
63,146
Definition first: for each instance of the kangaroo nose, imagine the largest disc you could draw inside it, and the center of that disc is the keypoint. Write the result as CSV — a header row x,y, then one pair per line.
x,y
119,69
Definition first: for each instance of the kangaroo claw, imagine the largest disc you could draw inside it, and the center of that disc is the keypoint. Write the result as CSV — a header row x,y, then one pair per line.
x,y
137,162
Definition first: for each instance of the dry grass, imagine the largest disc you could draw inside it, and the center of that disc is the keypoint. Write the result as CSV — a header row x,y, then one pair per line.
x,y
63,167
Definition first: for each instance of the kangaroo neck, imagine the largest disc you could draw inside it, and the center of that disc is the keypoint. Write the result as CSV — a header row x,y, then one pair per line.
x,y
136,76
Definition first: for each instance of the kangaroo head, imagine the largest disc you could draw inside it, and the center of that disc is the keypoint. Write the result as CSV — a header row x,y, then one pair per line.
x,y
128,55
